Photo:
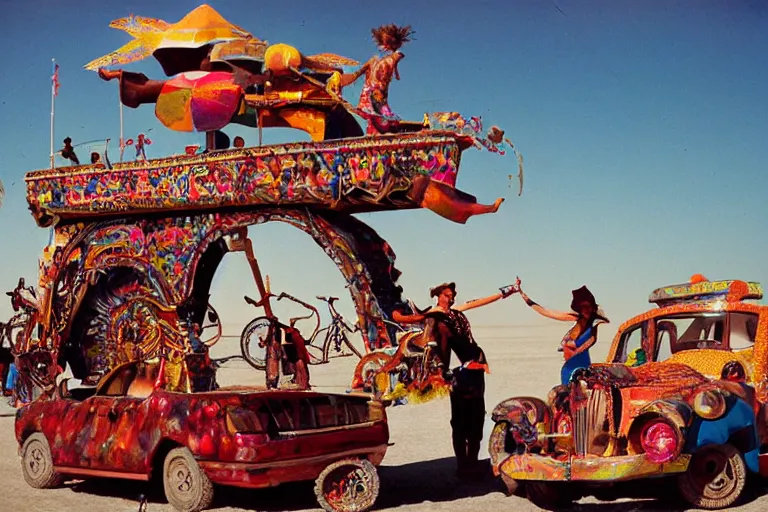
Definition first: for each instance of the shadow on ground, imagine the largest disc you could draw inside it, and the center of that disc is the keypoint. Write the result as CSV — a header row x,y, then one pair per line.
x,y
419,482
431,481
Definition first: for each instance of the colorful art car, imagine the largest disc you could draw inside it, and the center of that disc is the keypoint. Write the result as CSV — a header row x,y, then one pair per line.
x,y
130,427
697,413
126,277
135,245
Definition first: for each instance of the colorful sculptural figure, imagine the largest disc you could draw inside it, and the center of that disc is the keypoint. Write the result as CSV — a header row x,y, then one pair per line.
x,y
69,152
140,143
379,71
224,74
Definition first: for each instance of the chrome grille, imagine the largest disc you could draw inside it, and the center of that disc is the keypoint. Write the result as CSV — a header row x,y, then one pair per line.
x,y
589,421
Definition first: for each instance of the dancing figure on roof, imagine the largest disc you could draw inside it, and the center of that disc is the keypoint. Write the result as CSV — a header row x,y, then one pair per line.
x,y
379,71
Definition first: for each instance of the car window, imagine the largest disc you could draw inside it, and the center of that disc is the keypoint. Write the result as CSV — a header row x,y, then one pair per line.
x,y
329,412
743,327
664,343
294,414
631,340
143,383
689,332
357,412
118,382
244,420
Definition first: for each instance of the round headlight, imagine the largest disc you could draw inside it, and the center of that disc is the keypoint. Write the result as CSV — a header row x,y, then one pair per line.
x,y
709,404
660,441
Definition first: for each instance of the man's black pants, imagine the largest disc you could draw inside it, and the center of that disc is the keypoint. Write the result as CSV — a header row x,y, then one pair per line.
x,y
467,415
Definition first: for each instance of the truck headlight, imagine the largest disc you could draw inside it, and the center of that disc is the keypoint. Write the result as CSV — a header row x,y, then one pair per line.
x,y
660,441
709,404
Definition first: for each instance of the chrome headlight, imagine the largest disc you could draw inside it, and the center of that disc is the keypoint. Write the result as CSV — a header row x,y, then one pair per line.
x,y
709,404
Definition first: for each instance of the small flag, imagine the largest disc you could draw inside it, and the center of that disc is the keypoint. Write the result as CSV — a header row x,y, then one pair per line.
x,y
55,79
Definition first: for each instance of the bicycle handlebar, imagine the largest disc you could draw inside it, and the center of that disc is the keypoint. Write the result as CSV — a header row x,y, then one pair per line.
x,y
297,301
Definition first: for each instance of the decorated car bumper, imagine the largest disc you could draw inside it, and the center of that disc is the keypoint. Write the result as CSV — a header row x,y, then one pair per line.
x,y
595,469
269,474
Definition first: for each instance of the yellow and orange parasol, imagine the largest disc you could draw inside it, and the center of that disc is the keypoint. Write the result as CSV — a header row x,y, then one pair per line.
x,y
201,27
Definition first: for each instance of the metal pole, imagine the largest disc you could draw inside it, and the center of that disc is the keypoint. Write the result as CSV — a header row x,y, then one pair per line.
x,y
53,103
258,114
122,143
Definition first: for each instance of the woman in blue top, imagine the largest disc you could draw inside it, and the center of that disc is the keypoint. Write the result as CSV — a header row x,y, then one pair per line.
x,y
579,338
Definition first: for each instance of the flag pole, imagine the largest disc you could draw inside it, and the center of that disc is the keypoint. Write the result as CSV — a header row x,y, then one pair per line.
x,y
53,104
122,140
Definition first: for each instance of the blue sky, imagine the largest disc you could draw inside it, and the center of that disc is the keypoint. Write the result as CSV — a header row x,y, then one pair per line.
x,y
643,126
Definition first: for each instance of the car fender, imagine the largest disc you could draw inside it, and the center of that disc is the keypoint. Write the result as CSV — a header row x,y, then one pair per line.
x,y
739,421
678,412
513,409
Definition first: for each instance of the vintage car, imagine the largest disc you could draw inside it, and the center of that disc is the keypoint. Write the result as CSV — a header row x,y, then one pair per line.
x,y
130,427
615,423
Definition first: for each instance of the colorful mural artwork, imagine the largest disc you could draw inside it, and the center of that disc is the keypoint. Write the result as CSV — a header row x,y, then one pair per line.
x,y
357,175
131,277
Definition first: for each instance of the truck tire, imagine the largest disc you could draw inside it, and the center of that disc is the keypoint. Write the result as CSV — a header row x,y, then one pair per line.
x,y
187,487
715,478
348,485
37,463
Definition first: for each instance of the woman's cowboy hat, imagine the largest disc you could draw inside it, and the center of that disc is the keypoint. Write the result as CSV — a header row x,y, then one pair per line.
x,y
582,295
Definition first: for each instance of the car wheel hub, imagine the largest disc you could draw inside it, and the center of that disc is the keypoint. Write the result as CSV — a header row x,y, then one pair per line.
x,y
348,488
36,461
715,475
181,477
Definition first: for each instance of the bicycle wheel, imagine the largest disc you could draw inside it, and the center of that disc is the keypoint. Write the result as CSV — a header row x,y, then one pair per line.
x,y
339,338
214,321
317,352
254,339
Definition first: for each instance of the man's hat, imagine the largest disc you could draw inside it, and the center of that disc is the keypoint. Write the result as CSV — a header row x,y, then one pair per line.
x,y
437,290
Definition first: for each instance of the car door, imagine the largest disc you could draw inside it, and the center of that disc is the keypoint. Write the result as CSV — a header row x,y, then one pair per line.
x,y
125,449
108,423
121,450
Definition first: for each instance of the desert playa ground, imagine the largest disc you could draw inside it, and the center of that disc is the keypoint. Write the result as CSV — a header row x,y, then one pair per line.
x,y
416,475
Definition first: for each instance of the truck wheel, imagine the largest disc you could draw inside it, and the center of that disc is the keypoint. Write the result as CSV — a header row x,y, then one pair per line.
x,y
37,463
548,495
715,478
349,485
186,486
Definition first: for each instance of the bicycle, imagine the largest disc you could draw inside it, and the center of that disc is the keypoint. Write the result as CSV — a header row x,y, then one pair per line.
x,y
253,340
18,330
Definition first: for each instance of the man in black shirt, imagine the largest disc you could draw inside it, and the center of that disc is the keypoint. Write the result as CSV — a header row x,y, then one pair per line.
x,y
449,328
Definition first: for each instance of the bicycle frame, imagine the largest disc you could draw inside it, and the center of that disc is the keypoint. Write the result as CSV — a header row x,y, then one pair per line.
x,y
336,318
338,328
